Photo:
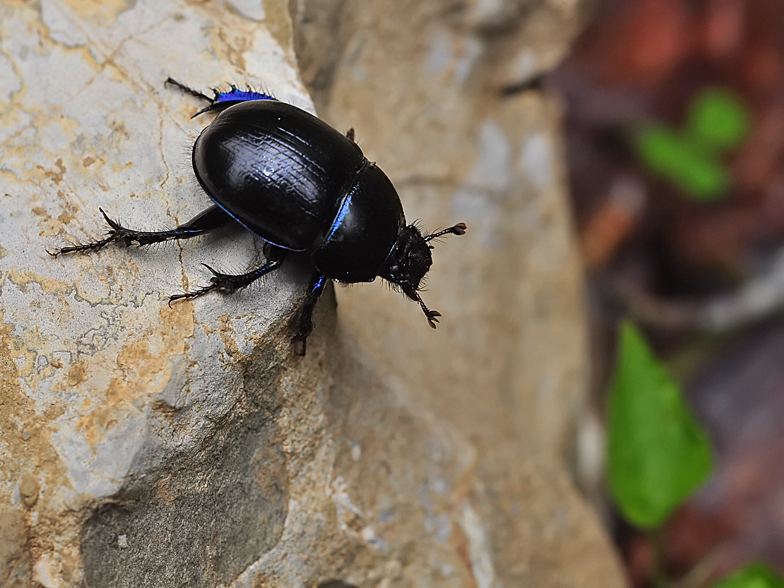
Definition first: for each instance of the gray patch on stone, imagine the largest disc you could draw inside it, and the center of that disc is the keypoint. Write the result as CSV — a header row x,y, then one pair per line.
x,y
440,56
536,160
252,9
493,167
200,525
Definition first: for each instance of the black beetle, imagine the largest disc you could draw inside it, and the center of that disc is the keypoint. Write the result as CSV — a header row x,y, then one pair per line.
x,y
301,186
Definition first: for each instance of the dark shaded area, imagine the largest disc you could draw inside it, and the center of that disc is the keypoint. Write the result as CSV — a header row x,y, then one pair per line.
x,y
335,584
200,525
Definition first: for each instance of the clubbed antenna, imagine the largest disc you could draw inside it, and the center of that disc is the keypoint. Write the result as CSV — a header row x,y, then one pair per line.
x,y
458,229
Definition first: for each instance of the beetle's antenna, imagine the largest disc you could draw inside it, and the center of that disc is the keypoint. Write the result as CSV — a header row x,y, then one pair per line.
x,y
458,229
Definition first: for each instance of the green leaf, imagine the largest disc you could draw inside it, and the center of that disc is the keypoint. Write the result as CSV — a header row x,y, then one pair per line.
x,y
696,171
753,576
718,120
660,148
657,453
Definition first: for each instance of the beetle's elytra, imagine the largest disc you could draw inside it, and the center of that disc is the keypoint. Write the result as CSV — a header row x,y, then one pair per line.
x,y
300,185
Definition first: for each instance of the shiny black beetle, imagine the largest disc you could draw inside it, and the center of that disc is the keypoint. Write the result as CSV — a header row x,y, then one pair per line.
x,y
301,186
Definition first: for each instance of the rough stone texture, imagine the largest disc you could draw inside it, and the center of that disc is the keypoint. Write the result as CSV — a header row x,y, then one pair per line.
x,y
422,83
142,445
423,87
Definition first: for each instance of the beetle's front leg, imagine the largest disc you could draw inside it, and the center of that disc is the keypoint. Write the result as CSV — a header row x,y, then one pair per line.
x,y
305,317
221,99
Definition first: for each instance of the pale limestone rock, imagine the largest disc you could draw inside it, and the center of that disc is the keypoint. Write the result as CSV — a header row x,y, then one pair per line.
x,y
142,445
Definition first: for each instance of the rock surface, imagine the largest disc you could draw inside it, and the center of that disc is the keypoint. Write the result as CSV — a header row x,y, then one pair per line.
x,y
143,445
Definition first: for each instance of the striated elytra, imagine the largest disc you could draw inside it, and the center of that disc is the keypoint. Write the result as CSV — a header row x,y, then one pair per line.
x,y
301,186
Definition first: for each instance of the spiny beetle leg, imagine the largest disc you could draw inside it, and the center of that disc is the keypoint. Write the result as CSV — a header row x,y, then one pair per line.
x,y
207,220
230,283
431,315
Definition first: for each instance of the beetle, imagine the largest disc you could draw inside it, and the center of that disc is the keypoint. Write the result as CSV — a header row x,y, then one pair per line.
x,y
301,186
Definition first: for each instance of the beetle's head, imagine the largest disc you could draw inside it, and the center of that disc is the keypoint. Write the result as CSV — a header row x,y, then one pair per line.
x,y
410,260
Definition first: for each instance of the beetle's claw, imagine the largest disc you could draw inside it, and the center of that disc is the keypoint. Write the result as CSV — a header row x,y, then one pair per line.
x,y
432,315
183,296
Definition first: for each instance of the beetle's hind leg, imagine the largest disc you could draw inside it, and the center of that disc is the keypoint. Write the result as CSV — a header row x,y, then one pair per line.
x,y
210,219
230,283
221,99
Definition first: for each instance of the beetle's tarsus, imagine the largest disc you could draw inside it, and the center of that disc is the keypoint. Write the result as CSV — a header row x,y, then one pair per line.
x,y
82,248
432,315
189,295
218,281
188,90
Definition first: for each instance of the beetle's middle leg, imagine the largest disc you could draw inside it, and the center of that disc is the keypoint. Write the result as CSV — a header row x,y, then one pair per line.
x,y
230,283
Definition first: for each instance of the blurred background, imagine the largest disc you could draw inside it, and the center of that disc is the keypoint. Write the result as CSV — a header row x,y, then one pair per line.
x,y
675,139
